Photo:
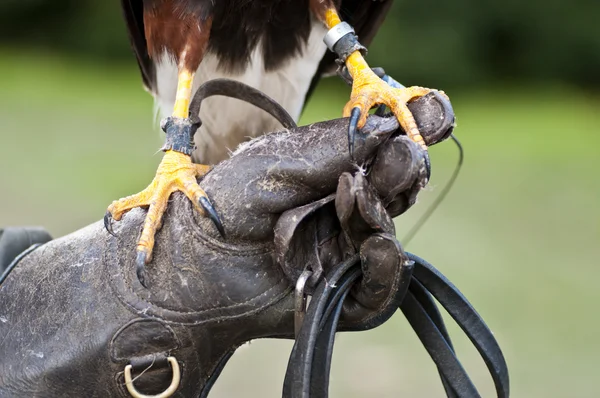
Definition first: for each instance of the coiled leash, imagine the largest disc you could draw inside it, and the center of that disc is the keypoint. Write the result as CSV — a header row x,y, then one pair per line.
x,y
309,366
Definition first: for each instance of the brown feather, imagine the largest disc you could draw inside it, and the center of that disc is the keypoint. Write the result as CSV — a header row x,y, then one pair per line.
x,y
182,34
238,26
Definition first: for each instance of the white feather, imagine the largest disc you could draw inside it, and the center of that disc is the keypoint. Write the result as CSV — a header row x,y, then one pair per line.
x,y
226,122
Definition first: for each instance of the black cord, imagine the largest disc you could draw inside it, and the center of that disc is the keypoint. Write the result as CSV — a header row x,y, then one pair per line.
x,y
423,219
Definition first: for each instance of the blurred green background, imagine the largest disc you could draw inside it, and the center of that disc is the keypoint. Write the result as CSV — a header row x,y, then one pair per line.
x,y
519,234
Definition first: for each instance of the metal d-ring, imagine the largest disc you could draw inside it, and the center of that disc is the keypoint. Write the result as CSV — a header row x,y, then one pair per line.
x,y
165,394
300,301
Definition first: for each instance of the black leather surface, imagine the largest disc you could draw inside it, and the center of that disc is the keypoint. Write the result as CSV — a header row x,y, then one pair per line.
x,y
66,304
74,313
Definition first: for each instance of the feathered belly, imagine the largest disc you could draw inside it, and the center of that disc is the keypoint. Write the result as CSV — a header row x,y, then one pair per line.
x,y
227,122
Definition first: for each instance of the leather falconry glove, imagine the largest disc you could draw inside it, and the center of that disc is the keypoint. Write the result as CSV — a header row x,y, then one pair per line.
x,y
76,321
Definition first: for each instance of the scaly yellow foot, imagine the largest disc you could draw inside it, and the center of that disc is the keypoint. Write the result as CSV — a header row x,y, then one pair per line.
x,y
176,172
369,90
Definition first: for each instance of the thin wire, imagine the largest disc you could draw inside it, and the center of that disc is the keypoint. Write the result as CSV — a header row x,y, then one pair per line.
x,y
423,219
144,371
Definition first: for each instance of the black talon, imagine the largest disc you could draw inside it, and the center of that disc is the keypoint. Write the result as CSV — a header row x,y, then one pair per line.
x,y
212,214
381,110
354,116
108,223
140,268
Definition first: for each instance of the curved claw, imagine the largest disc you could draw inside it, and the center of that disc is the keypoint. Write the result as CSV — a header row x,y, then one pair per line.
x,y
140,268
108,223
381,110
352,127
212,214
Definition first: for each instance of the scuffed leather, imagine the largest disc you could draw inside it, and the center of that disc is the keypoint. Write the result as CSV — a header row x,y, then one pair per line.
x,y
73,314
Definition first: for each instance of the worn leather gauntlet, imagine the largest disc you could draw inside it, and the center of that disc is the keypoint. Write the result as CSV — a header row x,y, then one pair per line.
x,y
75,320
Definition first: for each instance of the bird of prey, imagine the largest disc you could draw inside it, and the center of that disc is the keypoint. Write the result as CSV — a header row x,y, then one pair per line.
x,y
275,46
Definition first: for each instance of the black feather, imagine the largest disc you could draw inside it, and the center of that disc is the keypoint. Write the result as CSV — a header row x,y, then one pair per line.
x,y
240,25
280,26
133,11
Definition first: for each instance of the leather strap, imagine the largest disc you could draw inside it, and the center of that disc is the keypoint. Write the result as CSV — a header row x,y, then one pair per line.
x,y
427,302
234,89
467,318
311,348
310,362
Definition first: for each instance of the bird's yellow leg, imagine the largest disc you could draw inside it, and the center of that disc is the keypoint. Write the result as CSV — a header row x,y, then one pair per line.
x,y
185,79
369,90
176,172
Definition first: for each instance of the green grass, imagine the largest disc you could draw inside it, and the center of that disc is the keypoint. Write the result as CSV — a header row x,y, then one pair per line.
x,y
519,234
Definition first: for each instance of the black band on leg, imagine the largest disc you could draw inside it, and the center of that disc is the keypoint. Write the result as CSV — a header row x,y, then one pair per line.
x,y
342,40
346,46
180,135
